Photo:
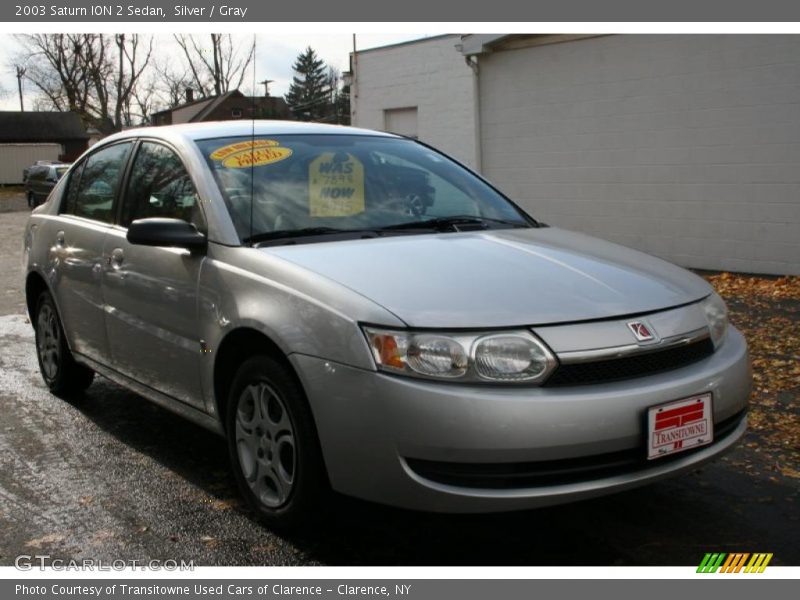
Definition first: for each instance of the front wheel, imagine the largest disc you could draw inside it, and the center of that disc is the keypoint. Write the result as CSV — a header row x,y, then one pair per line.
x,y
273,444
59,370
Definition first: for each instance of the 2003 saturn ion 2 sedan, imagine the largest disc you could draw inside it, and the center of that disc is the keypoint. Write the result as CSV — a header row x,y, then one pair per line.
x,y
355,311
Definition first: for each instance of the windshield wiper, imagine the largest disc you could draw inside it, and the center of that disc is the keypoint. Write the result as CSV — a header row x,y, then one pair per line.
x,y
291,233
452,222
435,224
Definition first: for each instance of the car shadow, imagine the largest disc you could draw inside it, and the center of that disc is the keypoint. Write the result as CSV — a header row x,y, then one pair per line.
x,y
669,523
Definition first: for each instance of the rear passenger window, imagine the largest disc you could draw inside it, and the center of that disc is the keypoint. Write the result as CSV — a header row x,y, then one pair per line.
x,y
160,186
97,184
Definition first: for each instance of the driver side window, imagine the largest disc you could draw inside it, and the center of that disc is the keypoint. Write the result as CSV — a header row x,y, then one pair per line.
x,y
160,186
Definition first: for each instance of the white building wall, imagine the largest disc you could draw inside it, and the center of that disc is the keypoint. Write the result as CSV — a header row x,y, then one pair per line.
x,y
429,75
686,147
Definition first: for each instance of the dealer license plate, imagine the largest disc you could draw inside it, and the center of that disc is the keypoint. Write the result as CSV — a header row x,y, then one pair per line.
x,y
678,426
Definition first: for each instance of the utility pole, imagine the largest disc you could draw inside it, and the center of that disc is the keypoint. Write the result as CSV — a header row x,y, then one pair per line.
x,y
353,80
20,75
266,83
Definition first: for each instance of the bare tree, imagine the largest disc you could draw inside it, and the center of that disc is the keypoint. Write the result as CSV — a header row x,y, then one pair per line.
x,y
145,98
57,69
132,61
20,69
171,82
334,81
339,97
219,68
91,74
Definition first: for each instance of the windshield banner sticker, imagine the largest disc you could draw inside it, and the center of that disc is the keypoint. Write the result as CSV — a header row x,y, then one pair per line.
x,y
336,185
251,153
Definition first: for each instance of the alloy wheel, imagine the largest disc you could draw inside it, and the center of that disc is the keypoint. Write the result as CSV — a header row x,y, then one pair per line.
x,y
48,341
265,444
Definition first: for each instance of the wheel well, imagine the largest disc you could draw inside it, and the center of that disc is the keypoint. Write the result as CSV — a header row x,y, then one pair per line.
x,y
236,347
34,286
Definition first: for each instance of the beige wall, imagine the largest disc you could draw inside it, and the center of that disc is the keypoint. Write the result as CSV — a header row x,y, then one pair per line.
x,y
684,146
429,75
16,157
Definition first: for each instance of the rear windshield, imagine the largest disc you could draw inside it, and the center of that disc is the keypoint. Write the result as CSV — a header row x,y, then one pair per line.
x,y
347,182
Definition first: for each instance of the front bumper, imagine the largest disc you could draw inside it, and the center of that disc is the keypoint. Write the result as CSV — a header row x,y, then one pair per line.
x,y
371,425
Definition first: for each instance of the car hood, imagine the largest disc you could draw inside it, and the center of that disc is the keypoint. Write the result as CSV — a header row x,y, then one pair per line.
x,y
499,278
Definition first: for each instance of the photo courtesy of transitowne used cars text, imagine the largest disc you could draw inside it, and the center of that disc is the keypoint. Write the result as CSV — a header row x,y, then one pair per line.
x,y
355,311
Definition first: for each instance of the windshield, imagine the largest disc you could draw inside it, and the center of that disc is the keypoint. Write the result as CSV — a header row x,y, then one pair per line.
x,y
315,185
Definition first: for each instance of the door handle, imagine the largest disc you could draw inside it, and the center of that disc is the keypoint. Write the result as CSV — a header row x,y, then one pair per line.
x,y
116,258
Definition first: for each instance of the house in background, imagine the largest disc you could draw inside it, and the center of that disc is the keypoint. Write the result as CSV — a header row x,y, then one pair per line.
x,y
683,146
225,107
26,137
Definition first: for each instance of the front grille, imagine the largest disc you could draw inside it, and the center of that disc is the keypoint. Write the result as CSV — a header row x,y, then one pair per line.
x,y
629,367
553,472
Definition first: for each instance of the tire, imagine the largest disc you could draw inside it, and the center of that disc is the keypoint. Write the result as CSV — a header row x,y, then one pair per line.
x,y
62,375
273,445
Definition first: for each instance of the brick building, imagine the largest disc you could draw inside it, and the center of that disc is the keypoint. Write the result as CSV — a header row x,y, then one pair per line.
x,y
228,106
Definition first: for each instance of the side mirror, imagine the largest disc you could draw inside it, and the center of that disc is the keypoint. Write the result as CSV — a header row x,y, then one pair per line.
x,y
166,232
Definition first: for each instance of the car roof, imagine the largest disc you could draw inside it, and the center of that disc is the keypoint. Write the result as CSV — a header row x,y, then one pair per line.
x,y
49,163
240,128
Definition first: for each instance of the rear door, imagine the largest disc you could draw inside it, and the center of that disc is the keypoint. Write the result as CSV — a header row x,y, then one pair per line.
x,y
151,293
76,258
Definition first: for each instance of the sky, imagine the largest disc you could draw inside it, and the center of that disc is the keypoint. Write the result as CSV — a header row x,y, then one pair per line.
x,y
275,54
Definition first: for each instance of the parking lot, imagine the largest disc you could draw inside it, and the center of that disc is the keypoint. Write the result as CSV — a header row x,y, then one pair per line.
x,y
111,476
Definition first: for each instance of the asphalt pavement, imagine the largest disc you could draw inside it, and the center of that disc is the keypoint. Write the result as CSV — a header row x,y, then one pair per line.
x,y
111,476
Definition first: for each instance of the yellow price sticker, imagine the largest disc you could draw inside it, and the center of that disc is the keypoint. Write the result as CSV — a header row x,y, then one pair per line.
x,y
335,185
250,153
225,151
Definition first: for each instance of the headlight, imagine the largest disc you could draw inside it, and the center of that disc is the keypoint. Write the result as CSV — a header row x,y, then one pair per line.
x,y
510,358
513,357
437,356
717,316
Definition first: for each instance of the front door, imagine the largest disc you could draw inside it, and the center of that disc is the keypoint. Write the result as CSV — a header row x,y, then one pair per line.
x,y
151,293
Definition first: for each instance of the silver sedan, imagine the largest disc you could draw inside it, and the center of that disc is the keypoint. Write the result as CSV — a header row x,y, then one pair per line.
x,y
355,311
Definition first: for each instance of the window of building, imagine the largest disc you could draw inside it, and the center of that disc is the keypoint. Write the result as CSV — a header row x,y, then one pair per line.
x,y
402,121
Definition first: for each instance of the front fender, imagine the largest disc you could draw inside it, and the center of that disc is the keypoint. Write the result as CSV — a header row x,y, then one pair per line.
x,y
300,312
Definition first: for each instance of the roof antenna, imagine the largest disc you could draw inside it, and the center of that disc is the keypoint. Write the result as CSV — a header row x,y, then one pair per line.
x,y
253,139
